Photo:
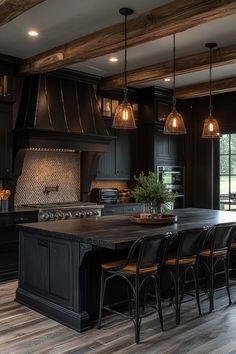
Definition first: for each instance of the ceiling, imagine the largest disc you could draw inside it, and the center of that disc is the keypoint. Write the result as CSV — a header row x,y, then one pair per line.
x,y
60,21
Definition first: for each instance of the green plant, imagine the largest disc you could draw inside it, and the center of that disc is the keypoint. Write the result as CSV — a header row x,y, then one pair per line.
x,y
152,193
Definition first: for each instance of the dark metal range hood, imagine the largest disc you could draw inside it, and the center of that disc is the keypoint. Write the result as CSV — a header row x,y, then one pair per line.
x,y
59,113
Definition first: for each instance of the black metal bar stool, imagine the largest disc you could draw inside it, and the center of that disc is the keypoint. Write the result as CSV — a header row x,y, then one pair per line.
x,y
184,260
217,249
144,262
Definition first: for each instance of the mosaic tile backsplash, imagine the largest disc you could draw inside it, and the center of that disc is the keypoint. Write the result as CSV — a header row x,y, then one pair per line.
x,y
48,169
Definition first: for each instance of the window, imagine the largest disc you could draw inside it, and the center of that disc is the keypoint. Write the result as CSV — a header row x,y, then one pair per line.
x,y
228,172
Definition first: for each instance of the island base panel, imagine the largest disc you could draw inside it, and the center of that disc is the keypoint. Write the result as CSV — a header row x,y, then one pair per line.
x,y
77,321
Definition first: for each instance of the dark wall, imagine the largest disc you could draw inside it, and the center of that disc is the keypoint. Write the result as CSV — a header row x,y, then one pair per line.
x,y
199,151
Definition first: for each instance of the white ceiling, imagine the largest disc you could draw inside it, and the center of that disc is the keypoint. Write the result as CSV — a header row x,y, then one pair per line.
x,y
60,21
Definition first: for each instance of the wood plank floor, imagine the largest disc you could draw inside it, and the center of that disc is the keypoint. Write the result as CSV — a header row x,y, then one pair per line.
x,y
24,331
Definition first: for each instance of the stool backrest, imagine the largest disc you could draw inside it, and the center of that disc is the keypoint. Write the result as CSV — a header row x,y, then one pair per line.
x,y
220,236
149,251
190,242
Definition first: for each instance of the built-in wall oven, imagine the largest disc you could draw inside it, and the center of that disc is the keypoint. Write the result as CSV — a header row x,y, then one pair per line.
x,y
174,179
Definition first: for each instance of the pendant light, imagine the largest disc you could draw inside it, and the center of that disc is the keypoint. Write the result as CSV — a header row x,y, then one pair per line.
x,y
124,116
211,126
174,124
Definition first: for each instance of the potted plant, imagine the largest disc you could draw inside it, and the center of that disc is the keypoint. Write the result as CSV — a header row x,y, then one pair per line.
x,y
153,194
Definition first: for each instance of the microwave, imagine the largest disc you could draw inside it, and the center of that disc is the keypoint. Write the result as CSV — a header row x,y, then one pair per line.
x,y
104,195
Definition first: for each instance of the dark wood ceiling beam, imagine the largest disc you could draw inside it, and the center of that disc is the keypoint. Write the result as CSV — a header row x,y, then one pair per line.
x,y
185,65
160,22
10,9
200,90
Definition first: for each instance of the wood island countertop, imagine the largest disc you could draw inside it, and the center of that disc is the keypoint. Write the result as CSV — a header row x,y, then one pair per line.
x,y
116,232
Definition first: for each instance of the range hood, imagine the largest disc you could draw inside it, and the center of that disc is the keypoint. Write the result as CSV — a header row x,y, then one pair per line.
x,y
57,112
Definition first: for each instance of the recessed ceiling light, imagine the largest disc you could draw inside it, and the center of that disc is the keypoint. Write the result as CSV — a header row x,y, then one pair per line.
x,y
33,33
167,79
113,59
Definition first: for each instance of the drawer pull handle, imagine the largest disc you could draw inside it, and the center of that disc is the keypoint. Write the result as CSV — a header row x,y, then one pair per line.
x,y
22,220
43,243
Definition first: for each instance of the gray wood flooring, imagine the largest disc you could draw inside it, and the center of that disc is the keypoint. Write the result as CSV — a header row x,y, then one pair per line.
x,y
24,331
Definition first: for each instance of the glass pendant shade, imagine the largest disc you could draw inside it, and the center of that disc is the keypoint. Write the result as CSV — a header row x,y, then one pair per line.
x,y
211,128
174,124
124,116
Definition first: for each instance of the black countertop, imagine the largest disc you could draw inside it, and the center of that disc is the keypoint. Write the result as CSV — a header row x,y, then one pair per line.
x,y
118,231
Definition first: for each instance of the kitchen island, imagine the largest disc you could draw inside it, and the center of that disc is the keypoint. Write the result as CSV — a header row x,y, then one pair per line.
x,y
59,266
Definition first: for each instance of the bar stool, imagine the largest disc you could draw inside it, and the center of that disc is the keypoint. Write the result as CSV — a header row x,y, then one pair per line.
x,y
216,249
182,260
144,262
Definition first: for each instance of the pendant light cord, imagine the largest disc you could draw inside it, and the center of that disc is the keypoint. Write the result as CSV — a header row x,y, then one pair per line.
x,y
125,68
210,83
174,71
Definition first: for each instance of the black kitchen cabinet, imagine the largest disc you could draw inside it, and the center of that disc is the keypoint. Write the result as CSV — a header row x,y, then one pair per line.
x,y
169,149
9,241
116,162
47,262
5,139
157,148
122,209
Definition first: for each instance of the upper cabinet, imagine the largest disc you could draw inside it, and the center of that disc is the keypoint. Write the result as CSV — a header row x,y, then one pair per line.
x,y
5,139
116,163
7,67
157,148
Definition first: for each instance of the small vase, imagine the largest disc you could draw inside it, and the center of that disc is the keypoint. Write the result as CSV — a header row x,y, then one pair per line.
x,y
151,209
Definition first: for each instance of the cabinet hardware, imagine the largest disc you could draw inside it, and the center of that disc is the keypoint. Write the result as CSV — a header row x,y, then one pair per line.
x,y
22,220
43,243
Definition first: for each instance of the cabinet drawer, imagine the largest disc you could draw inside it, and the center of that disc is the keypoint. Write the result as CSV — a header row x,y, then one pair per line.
x,y
112,211
133,209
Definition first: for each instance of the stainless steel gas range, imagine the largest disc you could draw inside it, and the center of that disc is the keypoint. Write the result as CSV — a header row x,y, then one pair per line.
x,y
69,210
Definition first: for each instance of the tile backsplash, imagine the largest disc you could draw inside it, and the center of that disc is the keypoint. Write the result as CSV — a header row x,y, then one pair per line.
x,y
49,169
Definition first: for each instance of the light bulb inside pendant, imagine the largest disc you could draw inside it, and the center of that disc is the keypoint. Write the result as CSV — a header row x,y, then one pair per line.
x,y
124,116
174,124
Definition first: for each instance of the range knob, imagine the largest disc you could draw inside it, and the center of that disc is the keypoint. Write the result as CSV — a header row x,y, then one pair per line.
x,y
95,212
89,213
68,215
45,216
58,215
78,214
51,216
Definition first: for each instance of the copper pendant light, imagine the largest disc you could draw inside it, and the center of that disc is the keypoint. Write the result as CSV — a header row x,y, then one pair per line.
x,y
174,124
124,116
211,127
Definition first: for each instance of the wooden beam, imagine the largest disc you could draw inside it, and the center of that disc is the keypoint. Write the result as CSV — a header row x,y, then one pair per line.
x,y
160,22
185,65
10,9
199,90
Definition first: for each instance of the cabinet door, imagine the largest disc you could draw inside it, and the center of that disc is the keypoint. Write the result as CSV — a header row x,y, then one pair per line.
x,y
5,140
60,265
107,163
169,149
35,263
113,210
133,209
123,154
115,163
8,253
